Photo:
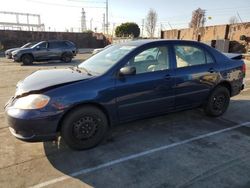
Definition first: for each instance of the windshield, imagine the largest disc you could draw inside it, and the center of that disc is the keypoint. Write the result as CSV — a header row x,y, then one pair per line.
x,y
28,45
104,60
37,44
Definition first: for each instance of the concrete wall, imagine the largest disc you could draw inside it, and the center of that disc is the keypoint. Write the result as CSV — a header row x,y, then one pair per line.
x,y
213,32
236,30
9,39
171,34
207,34
187,34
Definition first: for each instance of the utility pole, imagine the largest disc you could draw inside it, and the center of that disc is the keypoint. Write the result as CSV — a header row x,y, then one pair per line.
x,y
103,25
17,18
142,28
28,22
113,29
91,20
107,17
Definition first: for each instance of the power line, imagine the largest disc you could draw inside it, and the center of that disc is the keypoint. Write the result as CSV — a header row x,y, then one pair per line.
x,y
62,5
239,17
87,1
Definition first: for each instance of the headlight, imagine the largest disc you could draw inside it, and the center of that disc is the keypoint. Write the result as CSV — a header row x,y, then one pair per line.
x,y
34,101
15,53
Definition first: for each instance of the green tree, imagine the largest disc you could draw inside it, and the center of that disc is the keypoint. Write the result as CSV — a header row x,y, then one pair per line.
x,y
126,29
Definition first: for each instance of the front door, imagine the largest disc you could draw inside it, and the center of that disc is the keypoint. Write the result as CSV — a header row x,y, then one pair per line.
x,y
150,90
41,51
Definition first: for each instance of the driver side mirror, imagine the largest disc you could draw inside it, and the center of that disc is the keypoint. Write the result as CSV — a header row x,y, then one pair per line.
x,y
128,70
38,48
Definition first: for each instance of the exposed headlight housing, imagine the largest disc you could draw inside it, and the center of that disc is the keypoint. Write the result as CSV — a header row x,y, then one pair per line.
x,y
15,53
33,101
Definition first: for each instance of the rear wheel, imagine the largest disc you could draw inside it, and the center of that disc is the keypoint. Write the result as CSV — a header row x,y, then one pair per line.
x,y
27,59
66,57
84,127
218,102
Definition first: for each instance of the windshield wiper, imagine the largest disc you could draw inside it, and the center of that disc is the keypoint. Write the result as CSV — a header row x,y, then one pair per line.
x,y
82,68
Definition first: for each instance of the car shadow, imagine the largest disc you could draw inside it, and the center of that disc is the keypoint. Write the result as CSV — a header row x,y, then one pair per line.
x,y
138,136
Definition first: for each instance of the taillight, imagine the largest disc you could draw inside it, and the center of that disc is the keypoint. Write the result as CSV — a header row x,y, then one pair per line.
x,y
244,70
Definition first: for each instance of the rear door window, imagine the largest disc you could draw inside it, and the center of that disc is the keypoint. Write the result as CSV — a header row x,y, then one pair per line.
x,y
191,56
43,45
54,45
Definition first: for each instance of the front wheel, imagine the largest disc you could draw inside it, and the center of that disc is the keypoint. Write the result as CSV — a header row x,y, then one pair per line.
x,y
66,57
218,102
84,127
27,59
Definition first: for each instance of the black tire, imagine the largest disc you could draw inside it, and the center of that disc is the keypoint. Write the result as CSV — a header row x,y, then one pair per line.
x,y
66,57
27,59
84,127
218,102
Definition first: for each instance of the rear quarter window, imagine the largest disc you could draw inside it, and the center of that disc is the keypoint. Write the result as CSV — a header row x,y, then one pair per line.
x,y
209,58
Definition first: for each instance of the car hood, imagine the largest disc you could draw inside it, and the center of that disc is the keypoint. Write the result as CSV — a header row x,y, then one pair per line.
x,y
21,50
44,79
11,50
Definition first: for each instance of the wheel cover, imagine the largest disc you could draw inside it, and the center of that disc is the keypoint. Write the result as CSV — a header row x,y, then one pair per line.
x,y
26,59
219,102
85,128
67,59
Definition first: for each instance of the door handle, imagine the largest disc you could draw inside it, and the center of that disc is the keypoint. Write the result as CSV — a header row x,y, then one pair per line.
x,y
211,70
168,77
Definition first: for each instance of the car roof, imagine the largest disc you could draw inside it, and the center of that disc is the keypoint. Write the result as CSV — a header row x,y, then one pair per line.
x,y
152,41
145,42
55,41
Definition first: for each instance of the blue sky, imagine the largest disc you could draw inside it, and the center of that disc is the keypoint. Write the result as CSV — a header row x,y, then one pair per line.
x,y
60,15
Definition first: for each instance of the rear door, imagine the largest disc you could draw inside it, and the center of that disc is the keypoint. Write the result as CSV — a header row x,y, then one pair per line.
x,y
55,49
150,90
196,73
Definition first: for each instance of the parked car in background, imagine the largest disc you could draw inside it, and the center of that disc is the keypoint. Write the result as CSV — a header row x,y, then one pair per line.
x,y
150,54
97,50
81,103
46,50
8,52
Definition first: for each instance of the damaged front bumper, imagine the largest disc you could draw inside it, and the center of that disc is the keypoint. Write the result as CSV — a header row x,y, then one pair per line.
x,y
32,125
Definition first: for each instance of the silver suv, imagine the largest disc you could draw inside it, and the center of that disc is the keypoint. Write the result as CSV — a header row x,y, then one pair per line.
x,y
46,50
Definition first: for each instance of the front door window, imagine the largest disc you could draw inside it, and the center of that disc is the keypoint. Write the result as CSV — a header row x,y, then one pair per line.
x,y
150,60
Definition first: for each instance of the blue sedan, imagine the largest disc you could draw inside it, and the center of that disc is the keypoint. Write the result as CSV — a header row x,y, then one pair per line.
x,y
118,85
